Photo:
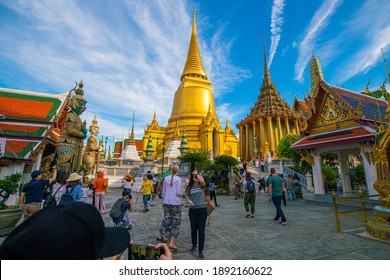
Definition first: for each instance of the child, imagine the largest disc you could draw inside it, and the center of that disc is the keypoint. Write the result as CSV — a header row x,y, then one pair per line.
x,y
88,197
126,204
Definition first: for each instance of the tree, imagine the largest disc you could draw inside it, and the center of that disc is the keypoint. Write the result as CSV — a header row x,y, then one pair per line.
x,y
329,176
198,160
226,161
8,186
284,148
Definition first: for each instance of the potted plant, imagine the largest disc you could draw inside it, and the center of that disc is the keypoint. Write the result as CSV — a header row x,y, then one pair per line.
x,y
9,215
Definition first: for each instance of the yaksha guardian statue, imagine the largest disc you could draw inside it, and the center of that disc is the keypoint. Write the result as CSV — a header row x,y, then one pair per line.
x,y
70,144
92,148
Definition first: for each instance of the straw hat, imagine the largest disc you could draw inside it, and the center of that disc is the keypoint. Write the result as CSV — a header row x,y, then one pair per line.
x,y
74,177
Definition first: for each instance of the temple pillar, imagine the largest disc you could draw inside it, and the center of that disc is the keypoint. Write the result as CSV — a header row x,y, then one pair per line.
x,y
287,126
241,143
369,169
255,147
262,137
317,174
344,172
271,134
279,130
296,126
246,142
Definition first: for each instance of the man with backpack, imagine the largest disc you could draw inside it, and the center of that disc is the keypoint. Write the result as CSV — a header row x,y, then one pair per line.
x,y
73,190
118,211
276,188
249,195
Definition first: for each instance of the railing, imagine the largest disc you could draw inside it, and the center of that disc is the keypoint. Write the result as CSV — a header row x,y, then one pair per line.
x,y
302,179
350,213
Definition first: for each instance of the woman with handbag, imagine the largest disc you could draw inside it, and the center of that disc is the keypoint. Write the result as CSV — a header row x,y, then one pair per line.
x,y
196,198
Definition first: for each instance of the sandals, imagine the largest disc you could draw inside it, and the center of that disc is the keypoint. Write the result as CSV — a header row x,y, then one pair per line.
x,y
162,240
173,249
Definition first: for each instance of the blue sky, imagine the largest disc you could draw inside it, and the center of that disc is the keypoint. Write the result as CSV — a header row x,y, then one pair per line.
x,y
131,54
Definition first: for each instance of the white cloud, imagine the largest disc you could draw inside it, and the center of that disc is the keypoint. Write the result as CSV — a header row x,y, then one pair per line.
x,y
276,27
372,34
311,34
130,54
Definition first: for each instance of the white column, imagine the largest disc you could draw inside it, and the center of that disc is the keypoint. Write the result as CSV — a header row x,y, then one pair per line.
x,y
344,172
317,174
369,169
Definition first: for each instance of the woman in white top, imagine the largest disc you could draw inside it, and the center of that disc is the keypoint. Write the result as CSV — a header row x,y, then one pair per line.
x,y
171,195
128,183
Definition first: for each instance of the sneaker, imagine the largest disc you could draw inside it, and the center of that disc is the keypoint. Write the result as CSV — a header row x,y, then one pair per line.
x,y
276,221
200,255
192,250
283,223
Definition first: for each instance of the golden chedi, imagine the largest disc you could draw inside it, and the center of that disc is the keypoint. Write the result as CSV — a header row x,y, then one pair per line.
x,y
193,108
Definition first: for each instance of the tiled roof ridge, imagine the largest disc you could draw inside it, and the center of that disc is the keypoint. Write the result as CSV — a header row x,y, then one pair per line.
x,y
61,96
361,95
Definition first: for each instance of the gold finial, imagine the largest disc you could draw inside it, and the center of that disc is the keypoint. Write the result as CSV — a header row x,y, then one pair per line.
x,y
194,23
387,68
131,137
194,66
267,77
367,90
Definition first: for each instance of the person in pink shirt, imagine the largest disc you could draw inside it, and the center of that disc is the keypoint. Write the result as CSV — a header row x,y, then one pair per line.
x,y
171,195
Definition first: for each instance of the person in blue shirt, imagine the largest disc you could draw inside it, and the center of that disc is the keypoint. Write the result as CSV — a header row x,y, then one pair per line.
x,y
32,193
74,186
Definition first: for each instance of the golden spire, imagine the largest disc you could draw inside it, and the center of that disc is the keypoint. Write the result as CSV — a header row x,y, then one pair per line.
x,y
316,74
194,66
267,76
387,68
131,137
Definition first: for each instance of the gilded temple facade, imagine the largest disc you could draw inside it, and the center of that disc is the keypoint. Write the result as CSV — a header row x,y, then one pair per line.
x,y
193,108
269,120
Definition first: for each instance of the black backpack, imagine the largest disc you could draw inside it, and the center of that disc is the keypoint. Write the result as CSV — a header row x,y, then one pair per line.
x,y
51,199
67,197
116,210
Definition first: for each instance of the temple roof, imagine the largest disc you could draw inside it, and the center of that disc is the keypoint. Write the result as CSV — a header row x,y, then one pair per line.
x,y
333,138
372,108
194,66
269,101
29,119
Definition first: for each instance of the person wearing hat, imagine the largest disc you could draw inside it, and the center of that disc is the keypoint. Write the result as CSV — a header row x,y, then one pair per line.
x,y
73,186
78,226
100,194
128,183
32,193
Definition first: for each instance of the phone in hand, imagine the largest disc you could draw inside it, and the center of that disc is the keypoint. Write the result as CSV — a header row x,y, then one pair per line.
x,y
144,252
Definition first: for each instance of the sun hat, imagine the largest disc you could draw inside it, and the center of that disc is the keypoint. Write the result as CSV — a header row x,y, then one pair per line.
x,y
36,173
74,177
128,177
72,232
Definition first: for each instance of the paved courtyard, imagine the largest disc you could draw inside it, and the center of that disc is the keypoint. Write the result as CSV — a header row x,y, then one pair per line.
x,y
309,235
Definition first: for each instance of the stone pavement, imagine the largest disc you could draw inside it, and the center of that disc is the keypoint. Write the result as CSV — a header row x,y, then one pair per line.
x,y
310,232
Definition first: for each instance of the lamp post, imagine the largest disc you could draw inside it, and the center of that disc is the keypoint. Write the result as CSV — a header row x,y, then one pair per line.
x,y
162,159
105,147
207,141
